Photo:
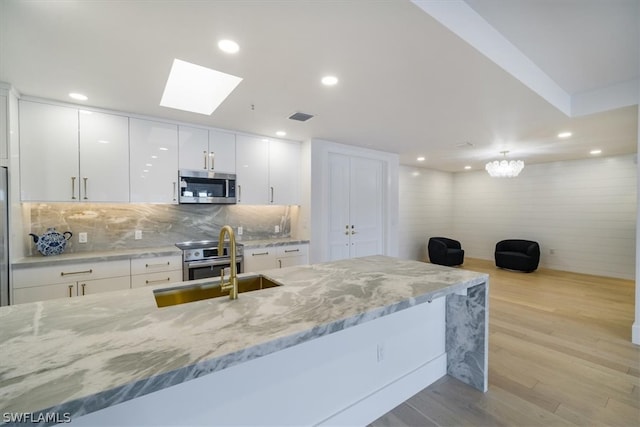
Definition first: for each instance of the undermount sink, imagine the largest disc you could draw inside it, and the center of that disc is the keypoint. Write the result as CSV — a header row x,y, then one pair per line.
x,y
184,294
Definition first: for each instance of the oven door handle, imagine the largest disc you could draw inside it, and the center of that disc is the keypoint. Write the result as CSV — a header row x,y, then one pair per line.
x,y
210,263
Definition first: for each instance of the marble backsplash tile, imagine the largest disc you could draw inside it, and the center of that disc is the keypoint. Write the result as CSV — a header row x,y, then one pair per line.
x,y
112,226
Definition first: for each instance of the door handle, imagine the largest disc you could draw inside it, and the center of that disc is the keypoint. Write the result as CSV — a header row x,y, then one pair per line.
x,y
205,159
73,187
212,158
271,194
85,188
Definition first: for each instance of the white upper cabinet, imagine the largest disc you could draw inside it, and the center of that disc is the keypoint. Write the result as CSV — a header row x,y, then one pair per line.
x,y
104,157
284,172
154,161
222,151
68,155
3,127
268,171
210,150
252,170
49,157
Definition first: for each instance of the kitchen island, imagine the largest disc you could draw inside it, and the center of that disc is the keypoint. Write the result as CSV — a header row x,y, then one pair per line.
x,y
337,343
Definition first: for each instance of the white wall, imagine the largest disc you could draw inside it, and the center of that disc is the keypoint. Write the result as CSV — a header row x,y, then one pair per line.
x,y
583,209
426,202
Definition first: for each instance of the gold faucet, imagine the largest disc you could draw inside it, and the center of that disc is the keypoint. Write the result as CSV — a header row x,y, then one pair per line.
x,y
232,284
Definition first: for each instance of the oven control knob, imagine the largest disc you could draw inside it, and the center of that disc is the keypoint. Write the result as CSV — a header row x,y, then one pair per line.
x,y
196,253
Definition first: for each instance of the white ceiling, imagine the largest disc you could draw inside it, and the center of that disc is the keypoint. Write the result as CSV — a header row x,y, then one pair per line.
x,y
408,84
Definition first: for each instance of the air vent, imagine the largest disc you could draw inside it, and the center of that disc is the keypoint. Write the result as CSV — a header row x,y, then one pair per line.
x,y
301,117
466,144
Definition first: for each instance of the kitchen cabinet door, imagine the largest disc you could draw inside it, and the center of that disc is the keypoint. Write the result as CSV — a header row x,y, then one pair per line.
x,y
193,144
104,157
42,293
222,151
91,287
252,170
259,259
210,150
49,158
284,172
4,144
154,161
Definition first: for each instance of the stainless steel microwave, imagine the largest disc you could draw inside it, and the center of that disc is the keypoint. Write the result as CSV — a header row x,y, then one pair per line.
x,y
207,187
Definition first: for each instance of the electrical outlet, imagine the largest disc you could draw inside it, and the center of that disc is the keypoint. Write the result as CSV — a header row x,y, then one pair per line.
x,y
82,237
380,352
277,229
138,235
240,231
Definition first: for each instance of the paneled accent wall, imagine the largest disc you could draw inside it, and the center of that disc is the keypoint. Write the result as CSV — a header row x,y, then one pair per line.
x,y
582,212
426,202
112,226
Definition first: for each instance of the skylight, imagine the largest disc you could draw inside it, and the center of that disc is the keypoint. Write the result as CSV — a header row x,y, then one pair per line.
x,y
197,89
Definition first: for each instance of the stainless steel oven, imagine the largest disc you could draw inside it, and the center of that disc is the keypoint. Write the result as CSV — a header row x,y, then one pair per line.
x,y
200,259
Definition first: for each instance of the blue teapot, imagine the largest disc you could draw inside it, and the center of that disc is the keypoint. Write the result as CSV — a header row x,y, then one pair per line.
x,y
51,242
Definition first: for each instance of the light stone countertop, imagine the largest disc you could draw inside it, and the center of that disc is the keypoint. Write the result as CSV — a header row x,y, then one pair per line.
x,y
119,254
79,355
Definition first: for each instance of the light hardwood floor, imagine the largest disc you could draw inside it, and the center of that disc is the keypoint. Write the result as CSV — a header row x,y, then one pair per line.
x,y
560,353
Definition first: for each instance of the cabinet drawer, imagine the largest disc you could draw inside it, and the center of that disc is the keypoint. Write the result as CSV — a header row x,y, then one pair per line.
x,y
160,278
292,250
35,276
41,293
156,264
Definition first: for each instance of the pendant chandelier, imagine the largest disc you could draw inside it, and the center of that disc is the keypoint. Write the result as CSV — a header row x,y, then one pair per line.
x,y
503,168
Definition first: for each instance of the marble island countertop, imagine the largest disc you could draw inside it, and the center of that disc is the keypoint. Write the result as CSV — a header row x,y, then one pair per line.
x,y
79,355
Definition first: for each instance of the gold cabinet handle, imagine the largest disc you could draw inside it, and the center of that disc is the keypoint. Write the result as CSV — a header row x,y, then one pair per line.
x,y
64,273
204,153
151,282
212,160
157,265
260,253
83,285
271,194
291,250
279,263
73,187
85,188
70,290
239,192
174,191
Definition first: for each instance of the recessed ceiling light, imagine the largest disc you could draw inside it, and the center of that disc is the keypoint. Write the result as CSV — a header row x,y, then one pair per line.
x,y
420,159
281,133
197,89
103,141
228,46
163,149
594,152
564,134
329,80
467,167
78,96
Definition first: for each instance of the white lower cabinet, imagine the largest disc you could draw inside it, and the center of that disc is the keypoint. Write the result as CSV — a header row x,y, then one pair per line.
x,y
288,256
70,280
258,259
156,271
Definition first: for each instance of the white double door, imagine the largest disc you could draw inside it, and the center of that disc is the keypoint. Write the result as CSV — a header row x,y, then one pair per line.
x,y
356,195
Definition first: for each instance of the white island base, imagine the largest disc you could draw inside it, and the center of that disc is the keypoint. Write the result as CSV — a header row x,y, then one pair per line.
x,y
350,377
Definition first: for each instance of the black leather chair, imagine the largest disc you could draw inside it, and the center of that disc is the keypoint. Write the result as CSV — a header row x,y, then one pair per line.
x,y
518,254
445,251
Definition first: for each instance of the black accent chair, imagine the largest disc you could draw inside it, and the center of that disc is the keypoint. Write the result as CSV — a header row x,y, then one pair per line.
x,y
518,254
445,251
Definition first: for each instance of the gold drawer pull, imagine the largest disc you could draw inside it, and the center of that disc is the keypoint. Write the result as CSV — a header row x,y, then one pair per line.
x,y
260,253
76,272
157,265
291,250
151,282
